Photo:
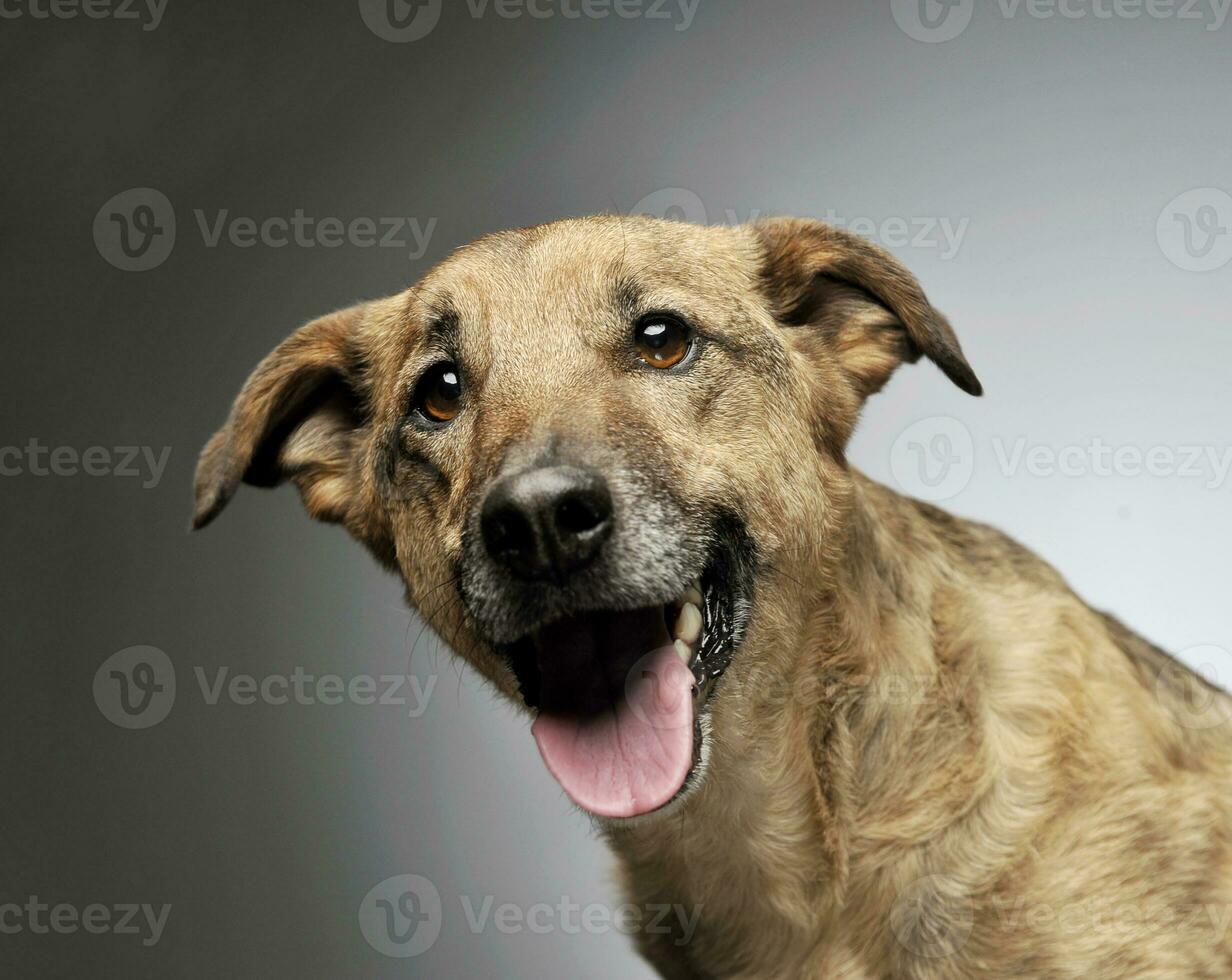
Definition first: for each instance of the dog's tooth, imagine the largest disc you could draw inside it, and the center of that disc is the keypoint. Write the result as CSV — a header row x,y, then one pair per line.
x,y
694,595
683,652
689,623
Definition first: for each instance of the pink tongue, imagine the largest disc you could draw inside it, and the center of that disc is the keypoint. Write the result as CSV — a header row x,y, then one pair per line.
x,y
634,757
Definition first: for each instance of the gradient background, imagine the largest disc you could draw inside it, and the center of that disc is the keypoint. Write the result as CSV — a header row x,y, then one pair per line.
x,y
1060,142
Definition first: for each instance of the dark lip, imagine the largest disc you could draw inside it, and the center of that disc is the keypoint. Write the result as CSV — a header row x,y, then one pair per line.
x,y
516,611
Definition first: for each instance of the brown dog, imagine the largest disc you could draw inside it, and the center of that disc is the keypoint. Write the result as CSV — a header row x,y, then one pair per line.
x,y
861,737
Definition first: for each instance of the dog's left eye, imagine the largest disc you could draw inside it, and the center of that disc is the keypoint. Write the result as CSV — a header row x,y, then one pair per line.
x,y
662,341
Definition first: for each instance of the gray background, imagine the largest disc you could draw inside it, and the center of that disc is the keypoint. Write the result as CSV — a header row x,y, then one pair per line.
x,y
1059,141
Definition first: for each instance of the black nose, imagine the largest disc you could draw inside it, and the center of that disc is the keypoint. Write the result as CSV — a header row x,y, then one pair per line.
x,y
548,522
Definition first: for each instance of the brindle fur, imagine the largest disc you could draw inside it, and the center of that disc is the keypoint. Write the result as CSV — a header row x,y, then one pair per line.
x,y
929,758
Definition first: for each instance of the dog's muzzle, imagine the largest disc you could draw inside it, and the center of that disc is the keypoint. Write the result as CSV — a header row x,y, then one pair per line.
x,y
617,614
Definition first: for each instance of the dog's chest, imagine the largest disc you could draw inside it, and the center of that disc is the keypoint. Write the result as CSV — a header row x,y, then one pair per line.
x,y
751,880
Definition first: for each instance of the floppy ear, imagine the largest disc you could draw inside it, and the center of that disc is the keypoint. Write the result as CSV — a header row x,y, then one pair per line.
x,y
868,310
299,417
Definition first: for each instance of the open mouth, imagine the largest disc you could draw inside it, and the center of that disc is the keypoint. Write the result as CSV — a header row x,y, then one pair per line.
x,y
620,694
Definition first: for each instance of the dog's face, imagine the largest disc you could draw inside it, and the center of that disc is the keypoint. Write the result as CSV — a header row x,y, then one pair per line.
x,y
595,451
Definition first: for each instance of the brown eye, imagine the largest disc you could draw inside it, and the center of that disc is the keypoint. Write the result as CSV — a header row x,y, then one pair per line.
x,y
438,396
662,341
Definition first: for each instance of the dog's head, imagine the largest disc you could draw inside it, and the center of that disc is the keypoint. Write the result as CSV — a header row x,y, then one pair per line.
x,y
595,451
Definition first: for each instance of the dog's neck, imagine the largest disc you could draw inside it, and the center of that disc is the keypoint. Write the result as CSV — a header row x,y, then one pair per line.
x,y
851,688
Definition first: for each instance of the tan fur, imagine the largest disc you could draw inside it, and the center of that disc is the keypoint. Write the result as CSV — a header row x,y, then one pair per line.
x,y
929,758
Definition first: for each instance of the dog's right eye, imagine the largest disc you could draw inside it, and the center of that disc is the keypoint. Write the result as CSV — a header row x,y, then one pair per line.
x,y
438,396
662,341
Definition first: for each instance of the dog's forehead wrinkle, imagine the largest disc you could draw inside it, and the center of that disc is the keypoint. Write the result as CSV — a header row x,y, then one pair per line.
x,y
571,270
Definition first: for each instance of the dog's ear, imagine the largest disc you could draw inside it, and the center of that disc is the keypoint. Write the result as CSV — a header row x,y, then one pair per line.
x,y
299,417
868,310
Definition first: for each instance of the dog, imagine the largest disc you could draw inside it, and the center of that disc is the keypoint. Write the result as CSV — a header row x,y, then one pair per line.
x,y
859,736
